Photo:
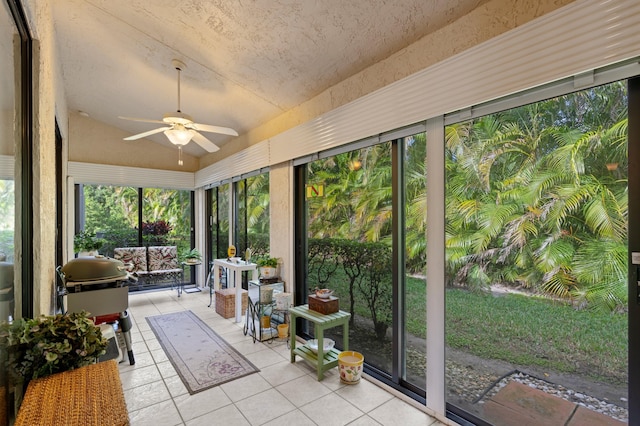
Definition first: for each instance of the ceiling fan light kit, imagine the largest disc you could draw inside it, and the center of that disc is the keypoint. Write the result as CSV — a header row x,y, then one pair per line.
x,y
179,135
180,128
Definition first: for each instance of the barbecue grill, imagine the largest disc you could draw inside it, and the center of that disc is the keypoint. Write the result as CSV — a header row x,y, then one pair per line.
x,y
98,285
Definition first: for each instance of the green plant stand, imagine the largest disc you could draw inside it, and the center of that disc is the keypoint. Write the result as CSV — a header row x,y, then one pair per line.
x,y
322,361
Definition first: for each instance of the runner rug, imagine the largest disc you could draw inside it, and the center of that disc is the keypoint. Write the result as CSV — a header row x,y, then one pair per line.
x,y
200,356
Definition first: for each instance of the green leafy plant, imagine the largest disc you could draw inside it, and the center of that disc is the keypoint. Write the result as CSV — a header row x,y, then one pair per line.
x,y
267,261
86,241
50,344
191,255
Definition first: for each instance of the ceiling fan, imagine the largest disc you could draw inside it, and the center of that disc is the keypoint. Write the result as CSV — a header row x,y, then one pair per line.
x,y
179,127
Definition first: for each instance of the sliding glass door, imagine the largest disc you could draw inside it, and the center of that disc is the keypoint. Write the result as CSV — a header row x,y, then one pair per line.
x,y
536,243
16,189
252,225
124,216
364,238
248,217
413,321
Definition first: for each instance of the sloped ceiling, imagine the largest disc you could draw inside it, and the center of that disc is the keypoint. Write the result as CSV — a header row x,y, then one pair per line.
x,y
246,61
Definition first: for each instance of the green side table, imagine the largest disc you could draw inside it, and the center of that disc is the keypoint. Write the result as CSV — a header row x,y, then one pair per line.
x,y
322,361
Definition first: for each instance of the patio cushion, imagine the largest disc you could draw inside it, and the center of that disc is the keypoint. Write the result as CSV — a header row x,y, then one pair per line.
x,y
134,255
163,258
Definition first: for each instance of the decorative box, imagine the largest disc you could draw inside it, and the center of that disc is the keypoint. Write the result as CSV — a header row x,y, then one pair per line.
x,y
324,306
226,302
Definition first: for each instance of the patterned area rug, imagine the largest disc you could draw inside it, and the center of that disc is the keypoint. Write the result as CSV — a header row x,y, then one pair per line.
x,y
201,357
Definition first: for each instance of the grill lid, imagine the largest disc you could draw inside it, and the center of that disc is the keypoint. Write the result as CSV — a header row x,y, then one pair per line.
x,y
94,268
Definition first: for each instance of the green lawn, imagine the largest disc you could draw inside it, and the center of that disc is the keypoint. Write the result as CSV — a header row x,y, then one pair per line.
x,y
522,330
537,332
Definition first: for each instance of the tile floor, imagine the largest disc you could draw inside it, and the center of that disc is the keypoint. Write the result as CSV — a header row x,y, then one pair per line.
x,y
281,394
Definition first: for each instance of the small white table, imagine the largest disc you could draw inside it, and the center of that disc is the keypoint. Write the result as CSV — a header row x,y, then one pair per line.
x,y
234,268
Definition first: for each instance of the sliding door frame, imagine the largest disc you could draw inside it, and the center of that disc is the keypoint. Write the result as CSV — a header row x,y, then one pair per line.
x,y
634,248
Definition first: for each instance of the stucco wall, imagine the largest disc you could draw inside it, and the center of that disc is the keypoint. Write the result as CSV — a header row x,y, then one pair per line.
x,y
6,128
487,21
281,220
48,97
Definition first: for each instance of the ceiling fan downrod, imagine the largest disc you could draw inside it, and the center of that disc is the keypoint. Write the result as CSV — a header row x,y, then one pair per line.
x,y
179,66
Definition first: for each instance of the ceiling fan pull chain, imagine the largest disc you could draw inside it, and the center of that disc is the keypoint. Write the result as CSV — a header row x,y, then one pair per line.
x,y
180,163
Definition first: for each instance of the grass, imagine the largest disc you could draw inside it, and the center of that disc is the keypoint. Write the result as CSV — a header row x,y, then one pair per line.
x,y
531,331
521,330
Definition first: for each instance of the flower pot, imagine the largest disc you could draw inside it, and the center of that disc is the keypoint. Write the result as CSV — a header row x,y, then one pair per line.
x,y
267,272
283,331
265,321
350,367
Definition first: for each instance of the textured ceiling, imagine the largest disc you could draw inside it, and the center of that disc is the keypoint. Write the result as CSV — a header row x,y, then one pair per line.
x,y
247,61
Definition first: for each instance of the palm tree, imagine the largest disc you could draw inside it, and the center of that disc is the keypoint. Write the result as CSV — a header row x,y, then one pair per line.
x,y
529,198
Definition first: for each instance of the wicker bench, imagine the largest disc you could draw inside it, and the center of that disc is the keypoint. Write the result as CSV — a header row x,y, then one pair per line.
x,y
87,396
152,264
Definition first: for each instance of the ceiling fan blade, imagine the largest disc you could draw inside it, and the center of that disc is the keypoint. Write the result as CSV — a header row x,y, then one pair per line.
x,y
144,120
214,129
204,142
145,134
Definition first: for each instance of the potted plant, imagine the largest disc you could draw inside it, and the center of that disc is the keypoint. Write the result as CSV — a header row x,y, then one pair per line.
x,y
192,256
267,266
85,243
50,344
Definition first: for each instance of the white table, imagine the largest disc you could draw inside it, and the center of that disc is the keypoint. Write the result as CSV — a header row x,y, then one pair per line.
x,y
234,268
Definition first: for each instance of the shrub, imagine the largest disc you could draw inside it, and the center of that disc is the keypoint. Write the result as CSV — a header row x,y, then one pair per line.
x,y
86,241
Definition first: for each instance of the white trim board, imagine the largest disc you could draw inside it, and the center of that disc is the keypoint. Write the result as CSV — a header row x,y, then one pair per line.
x,y
7,167
103,174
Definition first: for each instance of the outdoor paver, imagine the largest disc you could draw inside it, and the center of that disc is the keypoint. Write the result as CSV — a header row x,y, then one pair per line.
x,y
518,404
499,415
585,417
522,405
